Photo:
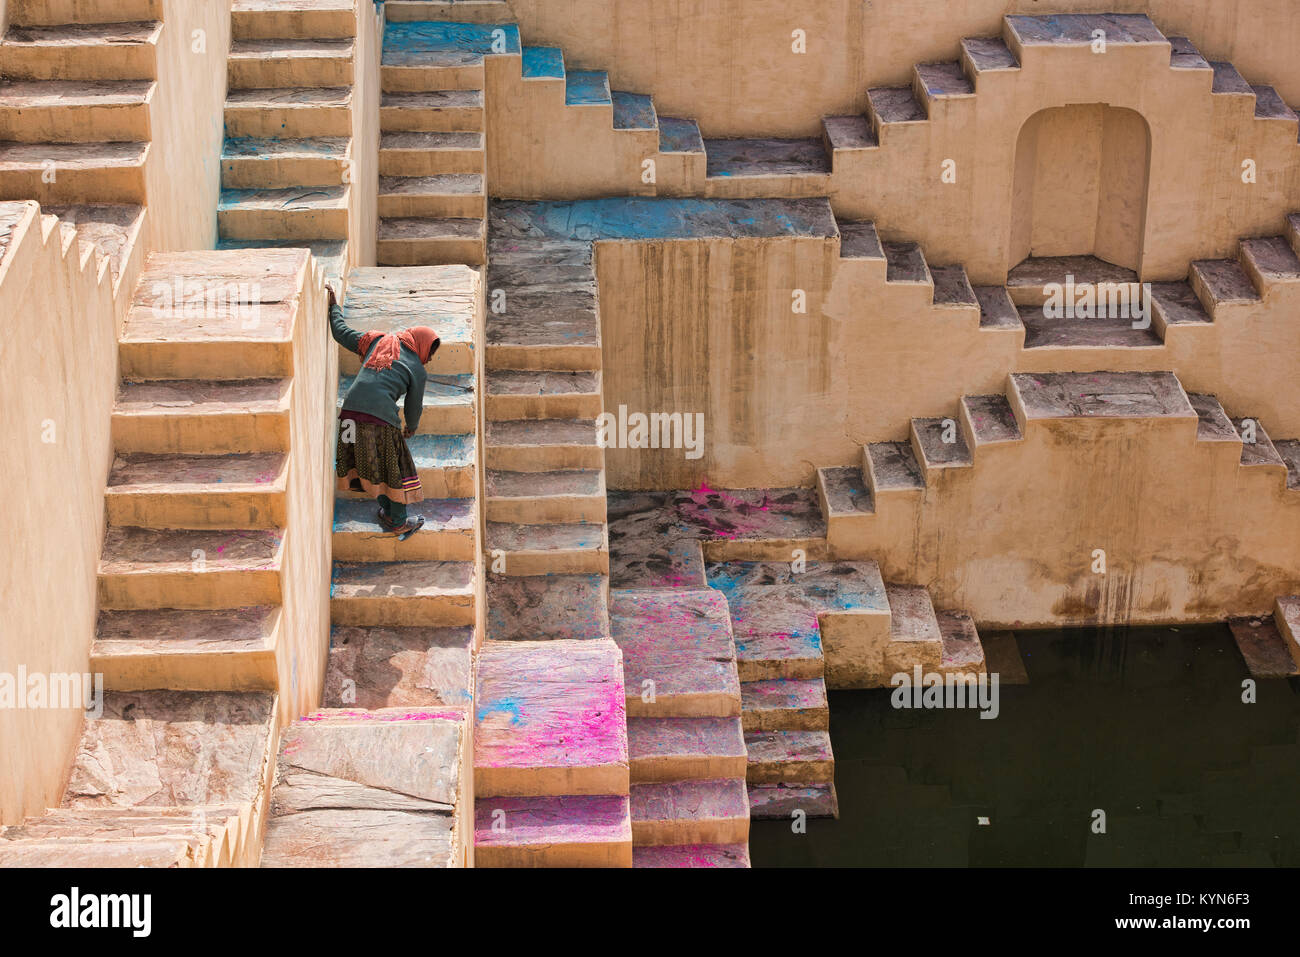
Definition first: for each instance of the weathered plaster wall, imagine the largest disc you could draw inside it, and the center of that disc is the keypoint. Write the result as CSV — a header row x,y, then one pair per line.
x,y
305,575
187,120
58,372
708,326
729,64
1012,539
363,201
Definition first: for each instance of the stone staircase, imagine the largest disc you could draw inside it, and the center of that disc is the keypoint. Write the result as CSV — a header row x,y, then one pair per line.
x,y
75,102
1270,644
287,160
551,753
379,777
545,481
1215,289
685,740
432,154
160,779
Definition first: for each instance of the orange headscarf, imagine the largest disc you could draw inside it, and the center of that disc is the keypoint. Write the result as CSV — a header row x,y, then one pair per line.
x,y
421,340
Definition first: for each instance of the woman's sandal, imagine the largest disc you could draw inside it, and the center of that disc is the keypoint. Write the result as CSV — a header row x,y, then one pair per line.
x,y
403,532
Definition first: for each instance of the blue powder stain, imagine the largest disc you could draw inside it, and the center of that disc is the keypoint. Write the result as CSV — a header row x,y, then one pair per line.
x,y
510,706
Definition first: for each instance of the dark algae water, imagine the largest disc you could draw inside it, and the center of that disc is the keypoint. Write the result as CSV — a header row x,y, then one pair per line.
x,y
1147,725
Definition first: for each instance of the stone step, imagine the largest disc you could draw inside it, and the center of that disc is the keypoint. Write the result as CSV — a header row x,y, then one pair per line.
x,y
893,107
416,153
419,56
107,172
81,51
692,855
105,230
445,196
76,111
962,652
271,162
770,802
860,241
939,445
540,394
269,19
1257,449
290,113
778,757
1266,653
1286,615
987,55
57,12
1269,261
644,561
845,498
673,813
462,11
1289,449
265,63
1270,106
1175,304
246,490
1293,231
1091,395
550,720
292,212
411,667
445,464
891,470
634,111
442,111
785,705
369,789
196,416
542,445
587,88
987,420
200,315
766,158
1038,280
421,242
679,658
1213,424
560,497
177,749
227,649
448,407
997,311
915,637
542,63
389,299
210,835
1184,56
447,535
574,548
189,568
952,288
553,831
547,607
1222,285
1086,331
1077,29
776,631
680,749
678,135
402,593
158,852
905,263
852,132
940,82
330,255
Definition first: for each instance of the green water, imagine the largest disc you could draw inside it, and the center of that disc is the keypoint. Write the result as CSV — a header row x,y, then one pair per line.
x,y
1147,725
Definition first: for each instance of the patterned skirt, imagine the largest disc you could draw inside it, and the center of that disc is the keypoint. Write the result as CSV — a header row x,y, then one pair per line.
x,y
376,460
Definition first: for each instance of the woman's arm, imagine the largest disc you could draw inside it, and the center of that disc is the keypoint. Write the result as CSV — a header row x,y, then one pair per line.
x,y
413,406
343,334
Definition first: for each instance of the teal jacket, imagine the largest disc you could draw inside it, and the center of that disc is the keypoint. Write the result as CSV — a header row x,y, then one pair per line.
x,y
377,391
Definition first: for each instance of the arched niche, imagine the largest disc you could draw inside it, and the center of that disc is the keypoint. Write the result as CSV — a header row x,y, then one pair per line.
x,y
1081,184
